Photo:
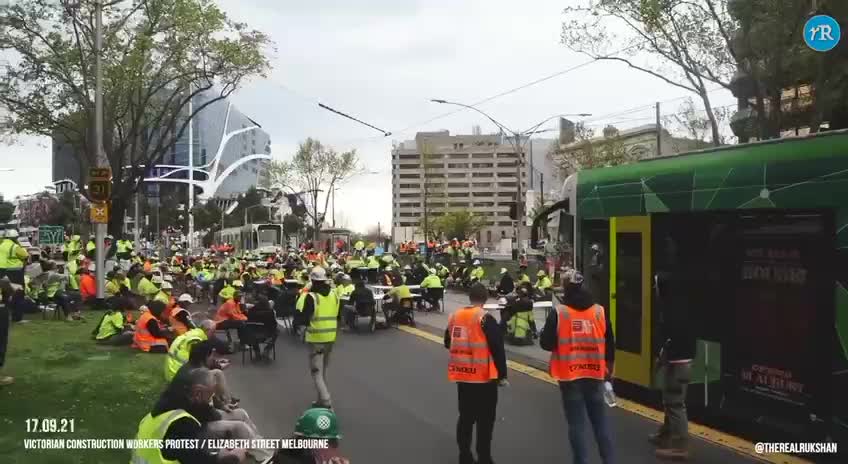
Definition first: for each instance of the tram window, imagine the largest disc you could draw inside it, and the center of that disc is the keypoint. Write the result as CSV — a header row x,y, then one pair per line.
x,y
628,290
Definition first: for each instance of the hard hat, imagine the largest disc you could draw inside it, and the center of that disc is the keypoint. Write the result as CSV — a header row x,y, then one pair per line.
x,y
12,233
318,273
238,283
110,237
318,423
461,261
540,273
79,258
407,268
92,267
503,270
502,301
388,268
476,262
178,254
132,253
157,279
167,286
75,238
573,276
168,278
432,271
346,278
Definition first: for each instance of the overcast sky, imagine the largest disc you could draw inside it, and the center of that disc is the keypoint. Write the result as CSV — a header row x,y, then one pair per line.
x,y
382,61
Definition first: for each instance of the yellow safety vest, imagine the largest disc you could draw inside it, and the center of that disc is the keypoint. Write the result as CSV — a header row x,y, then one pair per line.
x,y
344,290
146,288
8,258
180,349
89,246
155,428
123,246
163,297
323,326
110,325
113,287
227,292
431,281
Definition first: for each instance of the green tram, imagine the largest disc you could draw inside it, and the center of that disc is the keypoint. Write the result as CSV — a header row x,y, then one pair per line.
x,y
756,237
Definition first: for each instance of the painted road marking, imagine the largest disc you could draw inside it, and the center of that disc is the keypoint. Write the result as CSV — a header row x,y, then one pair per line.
x,y
739,445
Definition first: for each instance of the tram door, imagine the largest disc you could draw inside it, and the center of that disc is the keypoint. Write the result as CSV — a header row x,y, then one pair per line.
x,y
630,297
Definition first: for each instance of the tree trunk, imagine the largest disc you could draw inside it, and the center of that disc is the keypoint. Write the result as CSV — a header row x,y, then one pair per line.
x,y
116,215
708,107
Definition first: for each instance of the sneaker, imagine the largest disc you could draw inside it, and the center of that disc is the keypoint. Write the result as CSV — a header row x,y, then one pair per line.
x,y
668,452
6,380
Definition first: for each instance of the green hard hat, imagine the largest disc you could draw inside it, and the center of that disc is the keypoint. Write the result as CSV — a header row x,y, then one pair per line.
x,y
318,423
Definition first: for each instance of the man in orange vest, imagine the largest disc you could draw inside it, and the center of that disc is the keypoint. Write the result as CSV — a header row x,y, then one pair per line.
x,y
580,338
478,366
151,335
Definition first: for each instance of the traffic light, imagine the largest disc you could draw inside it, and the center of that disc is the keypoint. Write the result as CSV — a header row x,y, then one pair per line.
x,y
100,190
513,211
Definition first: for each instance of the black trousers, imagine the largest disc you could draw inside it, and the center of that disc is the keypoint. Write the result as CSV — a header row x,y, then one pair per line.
x,y
478,404
4,332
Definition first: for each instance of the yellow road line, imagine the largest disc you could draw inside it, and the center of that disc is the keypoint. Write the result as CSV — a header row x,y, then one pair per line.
x,y
707,434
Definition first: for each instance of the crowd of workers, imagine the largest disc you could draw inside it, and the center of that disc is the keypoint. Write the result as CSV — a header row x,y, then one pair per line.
x,y
322,292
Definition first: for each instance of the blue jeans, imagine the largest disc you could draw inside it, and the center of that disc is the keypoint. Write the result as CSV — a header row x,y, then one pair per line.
x,y
579,398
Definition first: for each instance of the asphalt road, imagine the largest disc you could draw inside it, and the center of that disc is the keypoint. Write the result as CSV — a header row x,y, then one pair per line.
x,y
394,403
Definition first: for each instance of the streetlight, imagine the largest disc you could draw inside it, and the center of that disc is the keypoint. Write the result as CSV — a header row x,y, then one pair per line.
x,y
519,150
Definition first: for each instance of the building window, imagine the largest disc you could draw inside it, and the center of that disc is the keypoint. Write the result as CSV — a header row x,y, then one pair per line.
x,y
407,224
481,155
461,204
408,157
457,185
457,155
410,205
408,214
508,184
410,176
456,175
482,184
409,195
481,194
458,166
457,195
506,155
484,203
488,236
410,166
482,174
482,165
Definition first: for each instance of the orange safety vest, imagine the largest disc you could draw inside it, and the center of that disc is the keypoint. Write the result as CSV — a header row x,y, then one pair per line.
x,y
581,350
178,326
470,358
143,339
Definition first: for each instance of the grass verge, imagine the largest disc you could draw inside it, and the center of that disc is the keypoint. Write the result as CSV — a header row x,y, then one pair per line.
x,y
61,373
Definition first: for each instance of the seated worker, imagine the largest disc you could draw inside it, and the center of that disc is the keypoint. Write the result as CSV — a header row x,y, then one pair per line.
x,y
181,347
230,315
151,334
345,287
147,288
113,328
544,287
227,290
362,300
393,299
477,273
252,335
506,285
317,423
443,272
522,274
181,413
180,318
386,277
87,284
433,290
164,295
517,319
116,286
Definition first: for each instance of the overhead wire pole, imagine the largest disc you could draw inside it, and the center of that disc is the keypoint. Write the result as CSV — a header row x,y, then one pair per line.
x,y
333,110
99,229
518,147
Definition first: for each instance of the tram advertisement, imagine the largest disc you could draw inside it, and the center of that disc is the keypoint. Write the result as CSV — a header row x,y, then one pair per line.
x,y
776,310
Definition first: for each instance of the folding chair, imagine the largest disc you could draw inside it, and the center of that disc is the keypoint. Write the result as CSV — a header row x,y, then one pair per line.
x,y
252,328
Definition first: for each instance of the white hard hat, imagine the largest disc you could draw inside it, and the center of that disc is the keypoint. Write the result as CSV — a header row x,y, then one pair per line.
x,y
12,233
132,253
502,301
167,286
157,279
185,298
178,254
168,278
388,268
92,267
407,268
318,273
238,283
503,270
476,262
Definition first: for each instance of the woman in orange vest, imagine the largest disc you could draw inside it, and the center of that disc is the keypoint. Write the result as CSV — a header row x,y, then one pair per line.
x,y
582,356
478,366
151,335
180,318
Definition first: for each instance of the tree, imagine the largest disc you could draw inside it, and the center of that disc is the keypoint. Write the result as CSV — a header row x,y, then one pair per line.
x,y
587,152
292,225
695,125
461,224
313,169
681,42
157,56
207,216
256,214
7,210
429,164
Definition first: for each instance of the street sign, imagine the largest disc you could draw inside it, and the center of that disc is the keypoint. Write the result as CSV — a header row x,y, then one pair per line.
x,y
99,174
100,190
51,235
99,213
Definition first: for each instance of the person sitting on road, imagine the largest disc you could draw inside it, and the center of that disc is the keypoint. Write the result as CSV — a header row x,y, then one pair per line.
x,y
477,272
522,274
230,314
181,413
315,423
115,287
151,334
506,285
517,321
227,290
180,317
252,335
164,295
394,298
113,328
544,287
362,299
433,290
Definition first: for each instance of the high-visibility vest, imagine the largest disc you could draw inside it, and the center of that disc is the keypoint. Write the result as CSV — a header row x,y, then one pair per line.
x,y
227,292
146,288
178,326
155,428
180,350
323,326
110,325
143,339
518,325
581,347
73,247
113,287
123,246
543,283
373,263
478,273
89,247
431,281
8,258
470,357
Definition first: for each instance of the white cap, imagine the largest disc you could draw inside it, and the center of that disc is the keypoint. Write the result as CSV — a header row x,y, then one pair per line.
x,y
92,267
318,273
157,279
11,233
238,283
168,278
185,298
167,286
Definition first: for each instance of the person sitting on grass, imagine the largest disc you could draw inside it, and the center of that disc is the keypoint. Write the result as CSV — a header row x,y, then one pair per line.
x,y
180,317
113,328
315,423
181,413
87,284
151,334
147,288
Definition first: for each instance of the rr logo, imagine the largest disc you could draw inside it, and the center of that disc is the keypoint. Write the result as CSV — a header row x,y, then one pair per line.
x,y
822,33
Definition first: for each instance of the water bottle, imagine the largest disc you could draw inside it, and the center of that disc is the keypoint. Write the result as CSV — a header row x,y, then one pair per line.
x,y
609,395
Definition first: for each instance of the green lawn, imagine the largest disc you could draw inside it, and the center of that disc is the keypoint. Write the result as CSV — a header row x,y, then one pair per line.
x,y
60,373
